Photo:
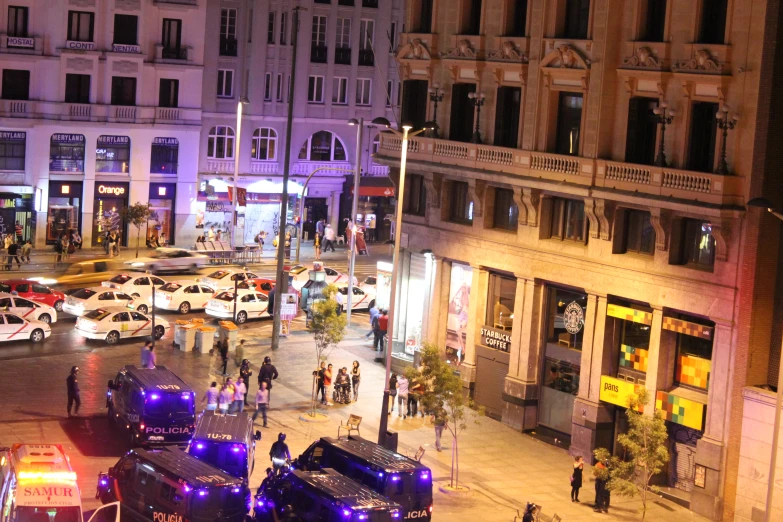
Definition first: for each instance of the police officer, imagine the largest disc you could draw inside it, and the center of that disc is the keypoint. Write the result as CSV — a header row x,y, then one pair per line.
x,y
267,373
279,452
72,382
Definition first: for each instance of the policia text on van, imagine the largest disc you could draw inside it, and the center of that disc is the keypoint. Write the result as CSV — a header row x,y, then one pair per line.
x,y
227,442
168,485
395,476
154,405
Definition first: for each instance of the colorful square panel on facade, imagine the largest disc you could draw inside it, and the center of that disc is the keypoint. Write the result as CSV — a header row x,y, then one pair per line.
x,y
680,410
629,314
694,371
633,358
687,328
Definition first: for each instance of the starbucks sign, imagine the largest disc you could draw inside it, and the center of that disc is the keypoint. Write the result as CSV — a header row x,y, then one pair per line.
x,y
573,318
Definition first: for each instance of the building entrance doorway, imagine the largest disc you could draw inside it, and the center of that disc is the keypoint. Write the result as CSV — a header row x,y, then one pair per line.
x,y
315,209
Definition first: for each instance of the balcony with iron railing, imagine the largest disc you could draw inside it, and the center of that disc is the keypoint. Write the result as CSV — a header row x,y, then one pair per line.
x,y
366,57
318,53
342,56
611,177
186,3
96,112
163,53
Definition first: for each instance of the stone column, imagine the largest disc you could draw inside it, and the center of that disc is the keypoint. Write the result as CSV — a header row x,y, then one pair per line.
x,y
443,311
520,389
431,322
478,302
592,421
656,361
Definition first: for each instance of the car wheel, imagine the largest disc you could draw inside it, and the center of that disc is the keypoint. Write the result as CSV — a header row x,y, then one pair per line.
x,y
159,332
143,309
135,296
58,306
184,308
113,337
241,317
372,303
45,318
37,336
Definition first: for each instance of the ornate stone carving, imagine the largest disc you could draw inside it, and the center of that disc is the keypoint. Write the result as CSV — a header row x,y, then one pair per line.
x,y
604,209
78,64
507,52
595,226
565,57
125,66
660,222
476,194
531,198
414,50
433,192
643,58
721,231
701,61
521,208
464,49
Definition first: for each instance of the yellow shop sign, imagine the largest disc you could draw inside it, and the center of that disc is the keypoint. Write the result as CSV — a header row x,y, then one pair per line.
x,y
616,391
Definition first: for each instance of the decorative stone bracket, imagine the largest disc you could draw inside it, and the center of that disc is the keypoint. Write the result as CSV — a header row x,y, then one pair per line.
x,y
531,198
521,208
721,231
476,191
596,212
433,188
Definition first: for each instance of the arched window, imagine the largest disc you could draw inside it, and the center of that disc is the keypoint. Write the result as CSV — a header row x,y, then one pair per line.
x,y
323,146
264,144
221,143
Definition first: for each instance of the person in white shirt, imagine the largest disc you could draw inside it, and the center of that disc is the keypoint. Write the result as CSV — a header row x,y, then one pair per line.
x,y
338,296
262,402
239,396
211,233
402,395
329,238
152,359
225,398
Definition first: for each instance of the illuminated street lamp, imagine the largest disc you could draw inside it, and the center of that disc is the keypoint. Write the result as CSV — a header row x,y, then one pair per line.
x,y
242,101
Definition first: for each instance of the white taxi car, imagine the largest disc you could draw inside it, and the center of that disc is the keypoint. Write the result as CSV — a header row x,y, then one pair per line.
x,y
301,275
183,296
362,299
224,279
250,305
134,284
27,309
113,323
15,328
88,299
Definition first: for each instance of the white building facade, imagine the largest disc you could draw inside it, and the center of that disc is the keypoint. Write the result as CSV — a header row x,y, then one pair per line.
x,y
101,108
345,69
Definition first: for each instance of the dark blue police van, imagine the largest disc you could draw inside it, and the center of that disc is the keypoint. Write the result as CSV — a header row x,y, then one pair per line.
x,y
154,406
227,442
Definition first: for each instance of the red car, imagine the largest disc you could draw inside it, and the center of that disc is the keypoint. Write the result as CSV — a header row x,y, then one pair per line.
x,y
34,291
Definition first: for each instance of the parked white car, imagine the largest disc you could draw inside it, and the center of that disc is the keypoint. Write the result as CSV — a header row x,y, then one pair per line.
x,y
15,328
361,300
134,284
301,275
250,305
113,323
224,278
88,299
183,296
169,260
27,309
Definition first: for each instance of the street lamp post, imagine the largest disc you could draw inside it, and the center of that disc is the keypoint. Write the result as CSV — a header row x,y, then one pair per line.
x,y
235,197
436,96
664,116
354,209
477,101
725,124
384,424
764,203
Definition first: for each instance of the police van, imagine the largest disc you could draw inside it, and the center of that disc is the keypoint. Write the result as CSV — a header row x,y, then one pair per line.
x,y
323,495
168,485
394,476
155,406
38,485
227,442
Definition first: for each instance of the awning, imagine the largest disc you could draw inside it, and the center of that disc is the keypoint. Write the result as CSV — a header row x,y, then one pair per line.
x,y
380,186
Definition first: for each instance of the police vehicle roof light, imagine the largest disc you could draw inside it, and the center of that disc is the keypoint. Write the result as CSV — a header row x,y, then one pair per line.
x,y
235,449
202,493
53,476
346,512
362,517
395,478
104,482
425,476
235,490
199,446
395,514
380,473
187,489
154,396
186,396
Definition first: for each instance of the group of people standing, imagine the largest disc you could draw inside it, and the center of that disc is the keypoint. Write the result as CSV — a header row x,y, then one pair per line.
x,y
111,242
344,383
324,238
379,325
601,473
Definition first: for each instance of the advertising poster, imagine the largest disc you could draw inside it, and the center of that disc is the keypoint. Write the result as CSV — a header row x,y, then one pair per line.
x,y
383,285
459,305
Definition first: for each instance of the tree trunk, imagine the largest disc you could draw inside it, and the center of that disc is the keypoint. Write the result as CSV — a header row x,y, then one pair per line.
x,y
456,461
315,395
138,236
453,458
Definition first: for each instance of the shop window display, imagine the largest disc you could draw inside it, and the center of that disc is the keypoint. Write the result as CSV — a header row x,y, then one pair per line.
x,y
632,326
458,312
113,154
64,209
500,302
694,350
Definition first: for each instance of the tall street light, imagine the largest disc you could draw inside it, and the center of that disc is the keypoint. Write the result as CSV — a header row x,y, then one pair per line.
x,y
242,101
354,207
764,203
405,134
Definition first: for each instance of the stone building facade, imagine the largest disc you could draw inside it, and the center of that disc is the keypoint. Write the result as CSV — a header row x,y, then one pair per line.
x,y
576,226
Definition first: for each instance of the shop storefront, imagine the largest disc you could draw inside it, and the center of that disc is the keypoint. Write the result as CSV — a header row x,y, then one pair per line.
x,y
376,203
16,208
492,353
563,337
110,199
458,312
112,154
415,280
66,153
262,214
64,209
164,156
160,229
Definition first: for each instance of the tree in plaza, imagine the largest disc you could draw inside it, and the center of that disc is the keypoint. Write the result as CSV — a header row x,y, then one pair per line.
x,y
443,397
645,448
328,330
138,215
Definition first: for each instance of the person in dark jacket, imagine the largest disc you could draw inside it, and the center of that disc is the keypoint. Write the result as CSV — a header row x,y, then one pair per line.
x,y
271,306
320,388
601,472
223,347
267,373
245,372
279,452
72,382
13,255
576,478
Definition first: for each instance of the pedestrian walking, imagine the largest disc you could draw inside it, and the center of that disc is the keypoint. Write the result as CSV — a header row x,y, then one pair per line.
x,y
262,403
374,313
402,396
381,325
338,296
13,255
240,390
392,391
317,246
327,383
416,389
19,231
576,478
329,236
320,226
225,398
356,379
211,397
245,372
145,354
27,248
271,302
239,354
223,347
439,420
152,360
320,384
267,373
601,472
72,384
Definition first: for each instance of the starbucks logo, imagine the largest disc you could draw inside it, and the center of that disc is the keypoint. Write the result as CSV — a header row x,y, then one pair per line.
x,y
573,318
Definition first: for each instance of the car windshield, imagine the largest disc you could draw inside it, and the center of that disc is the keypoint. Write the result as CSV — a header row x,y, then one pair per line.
x,y
84,293
170,287
225,296
98,315
231,457
220,274
160,404
120,279
48,514
402,487
218,503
